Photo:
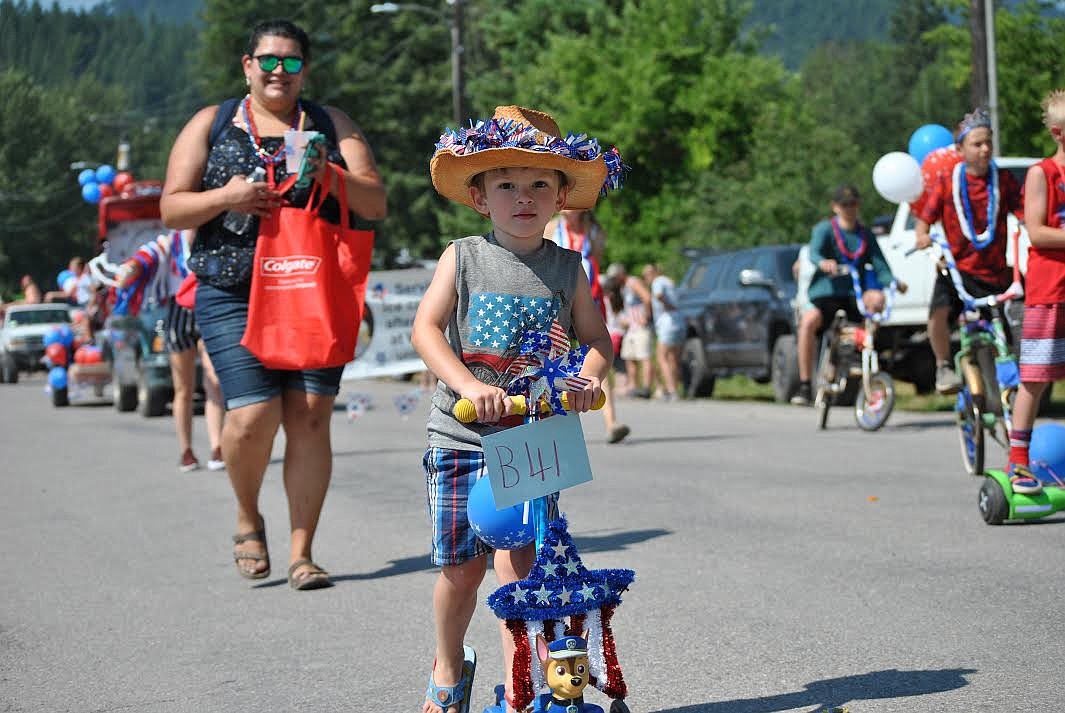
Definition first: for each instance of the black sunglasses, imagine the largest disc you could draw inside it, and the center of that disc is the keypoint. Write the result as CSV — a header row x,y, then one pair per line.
x,y
269,62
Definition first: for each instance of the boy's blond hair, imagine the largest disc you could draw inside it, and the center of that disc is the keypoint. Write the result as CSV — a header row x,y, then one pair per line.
x,y
1054,109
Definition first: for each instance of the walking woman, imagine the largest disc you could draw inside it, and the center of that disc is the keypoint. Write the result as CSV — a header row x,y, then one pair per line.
x,y
211,185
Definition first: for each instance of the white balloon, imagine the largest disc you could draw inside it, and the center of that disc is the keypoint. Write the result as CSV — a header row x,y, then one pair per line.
x,y
897,177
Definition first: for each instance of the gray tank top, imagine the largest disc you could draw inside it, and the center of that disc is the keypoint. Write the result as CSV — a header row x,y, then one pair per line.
x,y
500,296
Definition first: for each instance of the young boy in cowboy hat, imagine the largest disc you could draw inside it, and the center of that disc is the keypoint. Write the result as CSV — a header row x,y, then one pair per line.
x,y
517,170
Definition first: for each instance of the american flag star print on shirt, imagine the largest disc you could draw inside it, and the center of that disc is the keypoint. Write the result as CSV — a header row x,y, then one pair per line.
x,y
496,325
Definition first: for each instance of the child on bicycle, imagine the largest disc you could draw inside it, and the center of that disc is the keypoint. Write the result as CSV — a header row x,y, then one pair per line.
x,y
1043,335
972,203
517,170
842,240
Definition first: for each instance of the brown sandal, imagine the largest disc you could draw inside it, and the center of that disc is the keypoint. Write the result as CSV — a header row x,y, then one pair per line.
x,y
314,578
256,536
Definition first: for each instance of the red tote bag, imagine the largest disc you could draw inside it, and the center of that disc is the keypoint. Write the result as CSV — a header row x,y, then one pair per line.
x,y
308,285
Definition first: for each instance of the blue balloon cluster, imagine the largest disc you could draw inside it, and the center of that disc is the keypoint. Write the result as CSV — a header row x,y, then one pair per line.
x,y
59,335
927,139
57,377
96,184
500,529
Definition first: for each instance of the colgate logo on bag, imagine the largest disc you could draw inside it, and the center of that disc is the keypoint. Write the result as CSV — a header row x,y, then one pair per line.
x,y
289,266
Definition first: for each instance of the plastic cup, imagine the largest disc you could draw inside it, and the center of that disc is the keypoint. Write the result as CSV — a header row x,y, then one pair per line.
x,y
295,147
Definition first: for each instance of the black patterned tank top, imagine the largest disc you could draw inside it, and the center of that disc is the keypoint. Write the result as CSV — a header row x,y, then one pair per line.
x,y
224,249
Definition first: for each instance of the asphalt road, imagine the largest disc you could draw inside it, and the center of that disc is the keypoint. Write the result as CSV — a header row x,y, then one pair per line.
x,y
778,569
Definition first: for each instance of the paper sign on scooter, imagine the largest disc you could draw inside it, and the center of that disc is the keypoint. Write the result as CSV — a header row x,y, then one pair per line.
x,y
536,459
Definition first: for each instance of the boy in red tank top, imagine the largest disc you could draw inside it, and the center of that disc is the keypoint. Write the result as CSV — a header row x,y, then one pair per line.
x,y
1043,334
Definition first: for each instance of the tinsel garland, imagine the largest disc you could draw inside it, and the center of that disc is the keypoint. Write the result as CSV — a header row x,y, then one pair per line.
x,y
508,133
615,683
576,625
596,662
521,667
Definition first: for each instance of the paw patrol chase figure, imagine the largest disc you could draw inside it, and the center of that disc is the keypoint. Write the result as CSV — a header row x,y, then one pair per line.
x,y
565,664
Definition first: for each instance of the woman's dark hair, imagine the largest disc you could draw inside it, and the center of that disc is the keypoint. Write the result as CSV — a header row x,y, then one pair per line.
x,y
279,28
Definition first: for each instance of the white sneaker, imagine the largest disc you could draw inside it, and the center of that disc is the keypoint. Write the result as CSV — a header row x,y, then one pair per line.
x,y
215,462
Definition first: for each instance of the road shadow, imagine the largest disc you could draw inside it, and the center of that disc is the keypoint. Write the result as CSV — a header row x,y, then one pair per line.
x,y
701,438
923,425
394,568
616,541
422,563
834,692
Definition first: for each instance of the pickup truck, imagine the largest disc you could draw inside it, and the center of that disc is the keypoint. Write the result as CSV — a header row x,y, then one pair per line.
x,y
22,336
902,341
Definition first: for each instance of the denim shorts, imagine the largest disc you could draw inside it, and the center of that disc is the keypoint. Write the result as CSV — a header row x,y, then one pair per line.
x,y
221,316
449,477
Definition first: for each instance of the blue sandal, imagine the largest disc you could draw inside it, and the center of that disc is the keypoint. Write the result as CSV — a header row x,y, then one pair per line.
x,y
459,694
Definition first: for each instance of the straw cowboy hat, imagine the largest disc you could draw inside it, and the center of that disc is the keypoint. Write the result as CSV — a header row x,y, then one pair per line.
x,y
516,137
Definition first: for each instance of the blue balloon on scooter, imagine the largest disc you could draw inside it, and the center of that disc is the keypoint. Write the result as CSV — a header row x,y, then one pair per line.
x,y
500,529
1046,453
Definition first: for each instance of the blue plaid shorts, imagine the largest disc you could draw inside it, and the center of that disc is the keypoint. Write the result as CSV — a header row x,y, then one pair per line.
x,y
449,475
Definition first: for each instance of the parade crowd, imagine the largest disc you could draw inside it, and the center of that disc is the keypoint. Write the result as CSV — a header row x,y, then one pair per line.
x,y
536,277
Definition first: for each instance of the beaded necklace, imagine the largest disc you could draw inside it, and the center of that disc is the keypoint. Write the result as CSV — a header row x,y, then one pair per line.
x,y
269,159
841,244
964,209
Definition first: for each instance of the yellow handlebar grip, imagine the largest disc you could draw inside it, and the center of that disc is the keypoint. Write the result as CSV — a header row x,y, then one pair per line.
x,y
599,402
465,412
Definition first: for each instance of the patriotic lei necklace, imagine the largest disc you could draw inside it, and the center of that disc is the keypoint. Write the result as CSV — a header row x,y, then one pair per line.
x,y
573,236
964,208
268,158
841,244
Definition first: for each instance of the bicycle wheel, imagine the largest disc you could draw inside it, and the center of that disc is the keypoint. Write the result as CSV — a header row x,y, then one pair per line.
x,y
969,409
826,375
871,410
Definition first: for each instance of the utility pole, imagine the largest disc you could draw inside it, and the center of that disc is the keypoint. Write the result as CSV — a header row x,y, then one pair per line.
x,y
458,89
978,30
992,71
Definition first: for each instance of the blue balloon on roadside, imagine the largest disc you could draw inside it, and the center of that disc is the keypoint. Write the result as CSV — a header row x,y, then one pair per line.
x,y
927,139
52,336
501,529
91,193
1046,454
86,176
57,377
105,174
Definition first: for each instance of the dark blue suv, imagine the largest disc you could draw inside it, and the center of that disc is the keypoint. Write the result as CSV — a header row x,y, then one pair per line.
x,y
738,308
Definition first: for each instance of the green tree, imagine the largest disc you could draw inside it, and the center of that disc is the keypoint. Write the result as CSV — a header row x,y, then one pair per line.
x,y
43,220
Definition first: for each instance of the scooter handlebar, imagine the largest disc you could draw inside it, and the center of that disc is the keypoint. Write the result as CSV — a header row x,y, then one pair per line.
x,y
466,412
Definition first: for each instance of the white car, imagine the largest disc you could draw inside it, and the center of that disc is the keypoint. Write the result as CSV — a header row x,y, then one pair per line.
x,y
22,336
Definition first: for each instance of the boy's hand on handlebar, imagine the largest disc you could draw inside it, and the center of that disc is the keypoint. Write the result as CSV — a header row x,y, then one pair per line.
x,y
828,266
490,401
584,399
923,242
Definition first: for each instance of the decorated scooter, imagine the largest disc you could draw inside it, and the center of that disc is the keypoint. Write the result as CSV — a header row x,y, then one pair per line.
x,y
560,615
